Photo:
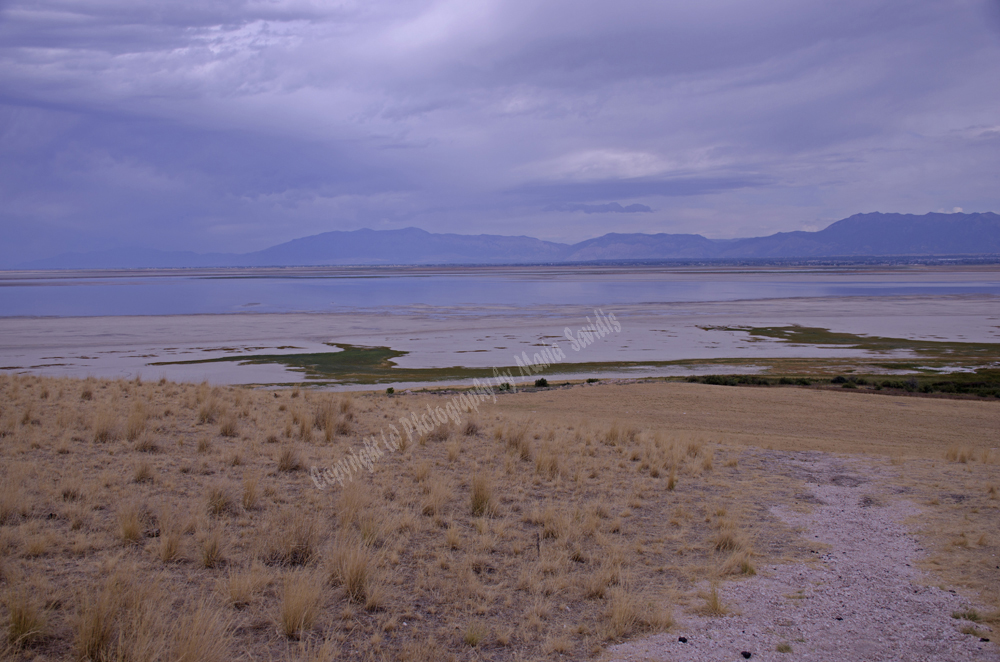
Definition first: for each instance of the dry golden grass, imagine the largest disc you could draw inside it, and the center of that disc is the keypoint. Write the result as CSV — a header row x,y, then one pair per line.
x,y
629,614
713,604
300,603
27,622
478,538
218,500
290,538
131,520
482,500
250,492
212,549
351,567
288,460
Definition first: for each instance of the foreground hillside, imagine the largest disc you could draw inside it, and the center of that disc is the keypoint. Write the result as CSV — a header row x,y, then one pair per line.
x,y
144,521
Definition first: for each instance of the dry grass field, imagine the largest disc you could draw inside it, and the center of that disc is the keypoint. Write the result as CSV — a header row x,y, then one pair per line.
x,y
164,521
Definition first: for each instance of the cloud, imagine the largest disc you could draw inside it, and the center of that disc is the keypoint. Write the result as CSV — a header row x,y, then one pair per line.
x,y
237,124
611,207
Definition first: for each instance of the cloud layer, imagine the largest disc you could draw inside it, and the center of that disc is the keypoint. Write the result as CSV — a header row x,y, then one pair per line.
x,y
234,125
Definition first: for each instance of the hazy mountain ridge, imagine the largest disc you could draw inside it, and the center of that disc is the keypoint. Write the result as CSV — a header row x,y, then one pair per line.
x,y
873,234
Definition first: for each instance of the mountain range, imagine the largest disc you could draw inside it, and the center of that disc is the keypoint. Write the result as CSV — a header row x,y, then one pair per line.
x,y
861,235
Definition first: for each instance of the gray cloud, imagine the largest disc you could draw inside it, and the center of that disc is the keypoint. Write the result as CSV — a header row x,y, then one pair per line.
x,y
609,208
234,125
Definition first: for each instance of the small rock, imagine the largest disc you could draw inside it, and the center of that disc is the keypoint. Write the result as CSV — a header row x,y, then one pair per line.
x,y
839,618
984,638
683,640
746,655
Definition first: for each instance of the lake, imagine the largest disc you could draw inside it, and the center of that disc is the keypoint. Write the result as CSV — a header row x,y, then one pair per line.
x,y
143,322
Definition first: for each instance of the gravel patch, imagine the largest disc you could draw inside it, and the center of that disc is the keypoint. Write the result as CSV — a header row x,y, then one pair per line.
x,y
861,599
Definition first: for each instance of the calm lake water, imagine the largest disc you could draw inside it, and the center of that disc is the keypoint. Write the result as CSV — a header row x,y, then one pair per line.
x,y
342,289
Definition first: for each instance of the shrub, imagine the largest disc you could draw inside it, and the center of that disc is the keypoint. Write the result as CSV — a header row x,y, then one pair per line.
x,y
541,382
390,391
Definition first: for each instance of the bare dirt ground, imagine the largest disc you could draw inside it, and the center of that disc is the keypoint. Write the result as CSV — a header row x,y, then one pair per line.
x,y
862,598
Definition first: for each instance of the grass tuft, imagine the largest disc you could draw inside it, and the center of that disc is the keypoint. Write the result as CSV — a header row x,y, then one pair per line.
x,y
475,633
211,550
28,622
131,520
628,614
288,460
713,604
218,500
352,567
300,603
482,496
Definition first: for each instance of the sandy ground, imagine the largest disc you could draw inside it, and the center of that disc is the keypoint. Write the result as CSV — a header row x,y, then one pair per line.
x,y
473,336
861,599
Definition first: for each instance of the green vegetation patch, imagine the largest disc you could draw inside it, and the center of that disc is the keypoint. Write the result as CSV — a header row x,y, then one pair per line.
x,y
807,335
373,365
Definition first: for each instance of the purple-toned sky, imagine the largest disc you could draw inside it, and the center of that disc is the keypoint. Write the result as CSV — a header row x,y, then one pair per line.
x,y
229,126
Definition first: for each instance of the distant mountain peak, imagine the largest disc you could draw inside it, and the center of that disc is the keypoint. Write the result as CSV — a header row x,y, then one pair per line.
x,y
871,234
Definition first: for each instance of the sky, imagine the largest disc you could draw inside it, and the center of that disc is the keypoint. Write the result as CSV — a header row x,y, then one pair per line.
x,y
231,125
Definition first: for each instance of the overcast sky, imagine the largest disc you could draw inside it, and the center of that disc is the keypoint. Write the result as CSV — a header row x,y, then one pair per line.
x,y
223,125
